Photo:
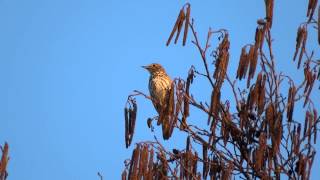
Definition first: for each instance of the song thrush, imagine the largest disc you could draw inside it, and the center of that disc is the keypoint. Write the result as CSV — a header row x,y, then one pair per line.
x,y
159,84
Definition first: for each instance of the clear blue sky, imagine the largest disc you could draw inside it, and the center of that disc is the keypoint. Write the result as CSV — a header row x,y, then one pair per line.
x,y
67,66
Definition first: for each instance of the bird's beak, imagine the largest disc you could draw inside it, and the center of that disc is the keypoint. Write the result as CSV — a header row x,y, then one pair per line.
x,y
145,67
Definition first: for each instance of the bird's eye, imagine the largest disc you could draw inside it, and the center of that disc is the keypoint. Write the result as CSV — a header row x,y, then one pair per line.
x,y
153,65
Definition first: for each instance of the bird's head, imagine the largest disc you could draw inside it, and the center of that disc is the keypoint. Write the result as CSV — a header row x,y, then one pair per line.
x,y
154,68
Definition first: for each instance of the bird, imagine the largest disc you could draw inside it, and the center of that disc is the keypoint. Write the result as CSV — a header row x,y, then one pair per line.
x,y
159,85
